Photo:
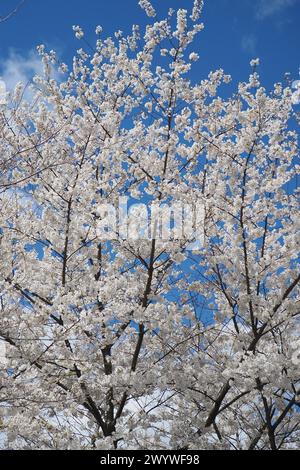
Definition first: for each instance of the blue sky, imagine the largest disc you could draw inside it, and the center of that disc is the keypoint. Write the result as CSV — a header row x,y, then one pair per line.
x,y
235,31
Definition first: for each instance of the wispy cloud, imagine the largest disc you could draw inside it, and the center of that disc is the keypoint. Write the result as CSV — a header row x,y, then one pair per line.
x,y
268,8
19,68
249,42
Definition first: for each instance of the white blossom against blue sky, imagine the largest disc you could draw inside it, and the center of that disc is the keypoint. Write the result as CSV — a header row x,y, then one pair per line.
x,y
235,31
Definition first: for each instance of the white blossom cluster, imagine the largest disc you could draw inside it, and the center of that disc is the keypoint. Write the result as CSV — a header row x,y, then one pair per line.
x,y
78,32
147,7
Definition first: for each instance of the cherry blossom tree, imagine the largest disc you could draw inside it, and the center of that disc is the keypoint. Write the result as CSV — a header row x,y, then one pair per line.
x,y
145,343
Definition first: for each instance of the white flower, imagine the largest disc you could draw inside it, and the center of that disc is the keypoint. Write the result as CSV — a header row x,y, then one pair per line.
x,y
197,9
147,7
149,106
78,32
254,80
63,68
296,354
40,49
99,29
227,78
3,357
296,93
254,62
118,34
181,21
193,57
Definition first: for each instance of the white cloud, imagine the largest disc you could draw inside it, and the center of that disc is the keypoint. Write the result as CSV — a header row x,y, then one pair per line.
x,y
248,44
268,8
3,357
19,68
